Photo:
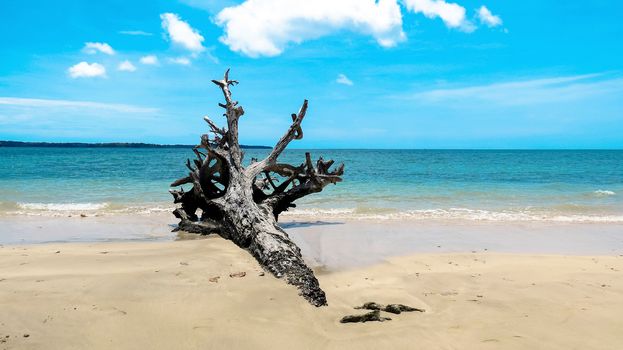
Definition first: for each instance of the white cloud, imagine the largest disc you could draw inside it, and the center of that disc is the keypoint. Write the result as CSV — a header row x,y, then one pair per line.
x,y
135,32
181,33
46,103
485,16
126,66
452,14
184,61
87,70
266,27
93,48
149,60
343,79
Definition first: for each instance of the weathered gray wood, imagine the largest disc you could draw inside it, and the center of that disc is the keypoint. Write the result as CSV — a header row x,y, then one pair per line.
x,y
242,204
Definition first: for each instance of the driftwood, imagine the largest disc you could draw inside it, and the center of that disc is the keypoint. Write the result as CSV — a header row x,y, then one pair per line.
x,y
242,202
375,314
391,308
367,317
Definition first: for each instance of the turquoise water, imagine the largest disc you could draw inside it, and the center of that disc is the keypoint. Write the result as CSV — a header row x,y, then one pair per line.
x,y
384,184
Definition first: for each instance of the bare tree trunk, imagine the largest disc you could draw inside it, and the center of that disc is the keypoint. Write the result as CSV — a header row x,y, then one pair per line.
x,y
242,204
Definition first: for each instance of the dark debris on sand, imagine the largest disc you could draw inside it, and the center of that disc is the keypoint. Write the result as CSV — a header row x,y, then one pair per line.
x,y
375,314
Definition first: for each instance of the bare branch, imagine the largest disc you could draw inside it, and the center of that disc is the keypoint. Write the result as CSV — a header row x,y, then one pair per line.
x,y
232,112
182,181
270,180
294,133
311,180
214,128
177,194
285,169
299,131
308,163
189,166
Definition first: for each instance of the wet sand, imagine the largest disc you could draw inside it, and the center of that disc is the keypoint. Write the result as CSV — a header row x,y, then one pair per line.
x,y
342,243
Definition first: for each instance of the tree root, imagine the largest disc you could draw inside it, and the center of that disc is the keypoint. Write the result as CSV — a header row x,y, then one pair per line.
x,y
375,314
368,317
391,308
242,201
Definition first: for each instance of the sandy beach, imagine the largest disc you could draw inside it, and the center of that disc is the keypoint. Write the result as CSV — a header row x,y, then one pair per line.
x,y
291,174
165,295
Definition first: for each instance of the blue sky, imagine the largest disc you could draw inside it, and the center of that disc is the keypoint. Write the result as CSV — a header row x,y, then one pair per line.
x,y
384,74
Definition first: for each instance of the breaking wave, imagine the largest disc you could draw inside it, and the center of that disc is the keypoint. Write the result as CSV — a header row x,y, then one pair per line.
x,y
560,213
604,193
63,209
63,206
452,214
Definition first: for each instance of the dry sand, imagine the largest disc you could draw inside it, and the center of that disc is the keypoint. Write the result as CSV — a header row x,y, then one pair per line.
x,y
158,295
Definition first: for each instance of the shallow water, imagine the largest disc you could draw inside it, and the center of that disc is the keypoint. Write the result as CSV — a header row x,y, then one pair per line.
x,y
491,185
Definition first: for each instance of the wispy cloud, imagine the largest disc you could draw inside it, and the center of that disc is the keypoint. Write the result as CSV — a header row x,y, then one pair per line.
x,y
452,14
210,55
93,48
87,70
57,119
149,60
183,61
135,32
525,92
343,79
126,66
489,19
48,103
181,33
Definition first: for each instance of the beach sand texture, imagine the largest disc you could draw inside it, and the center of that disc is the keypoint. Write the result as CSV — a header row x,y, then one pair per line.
x,y
166,295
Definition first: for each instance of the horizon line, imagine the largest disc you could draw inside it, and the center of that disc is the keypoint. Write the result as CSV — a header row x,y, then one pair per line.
x,y
181,145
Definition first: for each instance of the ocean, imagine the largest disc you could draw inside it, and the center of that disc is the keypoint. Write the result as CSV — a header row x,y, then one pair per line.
x,y
480,185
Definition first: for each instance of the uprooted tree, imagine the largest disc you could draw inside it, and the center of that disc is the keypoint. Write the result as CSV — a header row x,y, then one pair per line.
x,y
242,203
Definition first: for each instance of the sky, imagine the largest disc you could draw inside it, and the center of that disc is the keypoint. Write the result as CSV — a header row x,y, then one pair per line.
x,y
378,74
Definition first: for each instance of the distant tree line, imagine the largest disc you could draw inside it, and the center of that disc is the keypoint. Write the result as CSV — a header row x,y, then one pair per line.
x,y
102,145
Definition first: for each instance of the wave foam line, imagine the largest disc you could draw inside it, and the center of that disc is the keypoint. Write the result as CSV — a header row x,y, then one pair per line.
x,y
61,209
56,209
452,214
62,206
604,193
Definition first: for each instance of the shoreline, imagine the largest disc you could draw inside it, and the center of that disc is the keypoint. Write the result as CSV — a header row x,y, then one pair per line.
x,y
337,244
562,214
162,295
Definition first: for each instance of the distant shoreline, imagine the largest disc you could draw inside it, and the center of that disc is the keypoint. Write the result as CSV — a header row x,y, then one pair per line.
x,y
103,145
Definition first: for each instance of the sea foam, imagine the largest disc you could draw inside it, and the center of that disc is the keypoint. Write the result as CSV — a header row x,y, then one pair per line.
x,y
453,214
63,206
64,209
604,193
